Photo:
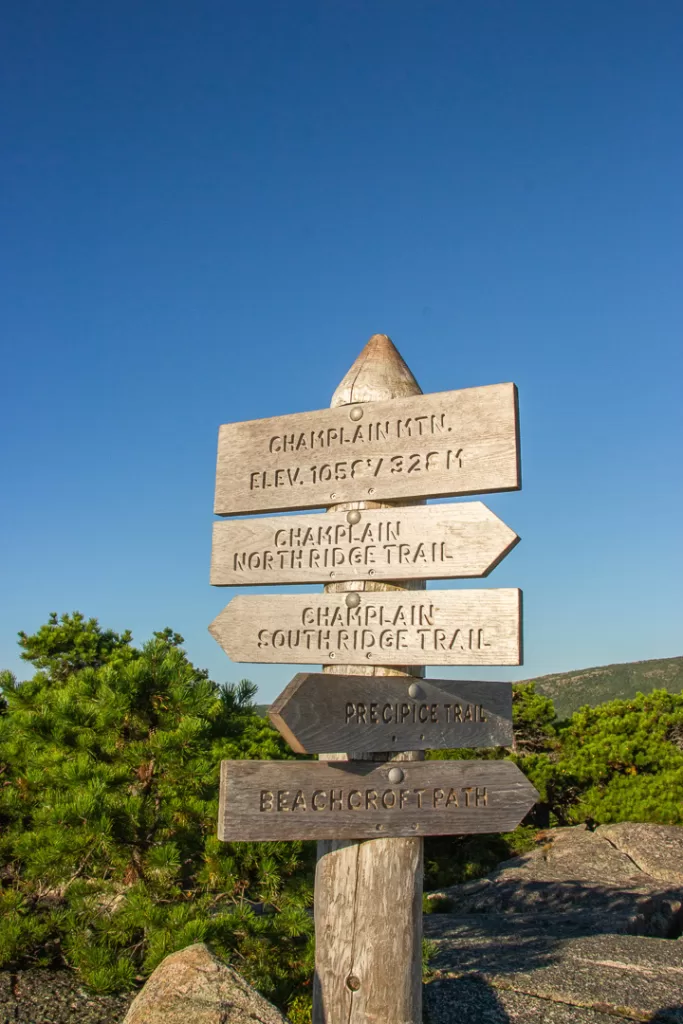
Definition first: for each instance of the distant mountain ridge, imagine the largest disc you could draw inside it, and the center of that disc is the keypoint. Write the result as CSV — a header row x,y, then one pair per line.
x,y
571,690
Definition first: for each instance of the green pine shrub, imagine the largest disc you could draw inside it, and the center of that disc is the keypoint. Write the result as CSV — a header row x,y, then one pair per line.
x,y
108,805
109,762
622,761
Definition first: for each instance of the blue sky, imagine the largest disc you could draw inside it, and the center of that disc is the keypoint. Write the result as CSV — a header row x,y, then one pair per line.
x,y
207,209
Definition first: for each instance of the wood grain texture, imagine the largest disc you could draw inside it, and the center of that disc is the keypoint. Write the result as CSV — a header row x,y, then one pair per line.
x,y
368,926
438,627
276,800
379,373
434,542
319,712
361,932
445,443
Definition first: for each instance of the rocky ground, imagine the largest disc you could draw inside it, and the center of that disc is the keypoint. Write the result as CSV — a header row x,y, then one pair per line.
x,y
40,996
584,929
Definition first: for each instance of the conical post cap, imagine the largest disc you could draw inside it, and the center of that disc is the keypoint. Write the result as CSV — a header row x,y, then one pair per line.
x,y
378,373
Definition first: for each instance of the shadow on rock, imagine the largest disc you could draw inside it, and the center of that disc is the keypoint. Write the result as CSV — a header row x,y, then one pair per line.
x,y
668,1015
463,1001
520,926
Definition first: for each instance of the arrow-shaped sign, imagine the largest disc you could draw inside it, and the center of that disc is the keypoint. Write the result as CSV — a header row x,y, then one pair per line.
x,y
428,542
319,712
433,627
269,800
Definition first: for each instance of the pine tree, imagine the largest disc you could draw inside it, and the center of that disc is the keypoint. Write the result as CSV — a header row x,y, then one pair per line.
x,y
109,799
623,761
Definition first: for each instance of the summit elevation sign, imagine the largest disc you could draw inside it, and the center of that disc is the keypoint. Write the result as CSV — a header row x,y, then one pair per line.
x,y
447,443
370,461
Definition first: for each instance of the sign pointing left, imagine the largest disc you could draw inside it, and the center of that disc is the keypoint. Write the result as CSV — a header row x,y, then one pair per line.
x,y
436,627
365,714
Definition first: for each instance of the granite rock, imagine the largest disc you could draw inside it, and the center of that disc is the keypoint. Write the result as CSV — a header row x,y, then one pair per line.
x,y
575,930
194,985
473,1001
657,850
42,996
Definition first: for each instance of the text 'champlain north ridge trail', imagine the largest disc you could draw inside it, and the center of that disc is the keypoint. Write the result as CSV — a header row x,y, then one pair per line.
x,y
370,461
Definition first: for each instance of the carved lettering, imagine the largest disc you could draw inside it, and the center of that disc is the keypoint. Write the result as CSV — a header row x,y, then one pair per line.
x,y
360,713
358,629
410,463
266,800
446,627
284,801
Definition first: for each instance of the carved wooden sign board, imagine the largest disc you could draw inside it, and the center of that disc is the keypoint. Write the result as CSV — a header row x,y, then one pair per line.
x,y
267,800
434,542
318,713
374,631
447,443
438,627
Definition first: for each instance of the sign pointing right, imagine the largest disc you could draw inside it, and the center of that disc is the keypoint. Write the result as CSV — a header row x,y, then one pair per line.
x,y
433,542
269,800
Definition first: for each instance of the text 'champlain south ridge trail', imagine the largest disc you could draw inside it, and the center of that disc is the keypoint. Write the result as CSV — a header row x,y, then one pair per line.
x,y
370,461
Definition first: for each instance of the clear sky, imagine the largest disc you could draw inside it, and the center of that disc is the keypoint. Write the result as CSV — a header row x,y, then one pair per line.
x,y
208,208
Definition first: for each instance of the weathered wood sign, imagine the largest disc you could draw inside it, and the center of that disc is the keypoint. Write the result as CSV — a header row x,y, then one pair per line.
x,y
317,713
435,542
437,627
271,800
447,443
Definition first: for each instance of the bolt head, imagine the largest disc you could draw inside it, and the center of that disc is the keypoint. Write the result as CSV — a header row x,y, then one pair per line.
x,y
352,600
395,775
353,516
415,691
356,413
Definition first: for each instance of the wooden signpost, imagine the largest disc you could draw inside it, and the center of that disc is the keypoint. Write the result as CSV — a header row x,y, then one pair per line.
x,y
315,713
441,627
438,542
381,442
359,799
448,443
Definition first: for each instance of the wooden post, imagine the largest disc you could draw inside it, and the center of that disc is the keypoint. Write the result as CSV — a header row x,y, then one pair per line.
x,y
368,894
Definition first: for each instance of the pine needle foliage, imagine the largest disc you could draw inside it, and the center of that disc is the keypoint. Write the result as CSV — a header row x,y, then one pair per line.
x,y
620,761
623,761
109,762
109,772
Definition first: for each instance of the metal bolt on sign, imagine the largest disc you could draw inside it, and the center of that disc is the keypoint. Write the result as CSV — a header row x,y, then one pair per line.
x,y
377,453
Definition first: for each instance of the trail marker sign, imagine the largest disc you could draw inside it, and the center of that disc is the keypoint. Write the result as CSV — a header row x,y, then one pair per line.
x,y
438,627
434,542
447,443
269,800
382,441
316,713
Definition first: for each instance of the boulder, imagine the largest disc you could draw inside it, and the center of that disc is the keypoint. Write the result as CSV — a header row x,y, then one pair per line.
x,y
575,879
195,986
656,850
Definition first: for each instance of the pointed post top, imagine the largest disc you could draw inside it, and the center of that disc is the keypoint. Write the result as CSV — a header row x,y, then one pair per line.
x,y
378,373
